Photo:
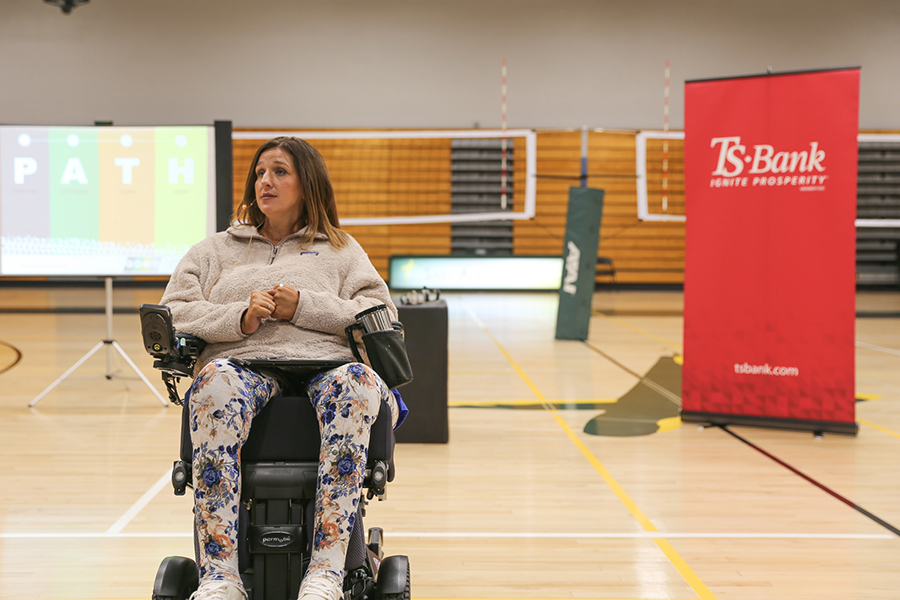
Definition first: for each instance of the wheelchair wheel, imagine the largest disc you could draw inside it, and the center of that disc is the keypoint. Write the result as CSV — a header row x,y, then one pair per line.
x,y
393,579
176,579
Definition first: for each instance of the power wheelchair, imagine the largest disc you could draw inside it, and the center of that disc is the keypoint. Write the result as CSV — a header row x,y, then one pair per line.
x,y
279,465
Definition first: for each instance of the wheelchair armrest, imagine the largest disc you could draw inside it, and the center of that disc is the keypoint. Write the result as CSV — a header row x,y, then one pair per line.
x,y
381,438
380,469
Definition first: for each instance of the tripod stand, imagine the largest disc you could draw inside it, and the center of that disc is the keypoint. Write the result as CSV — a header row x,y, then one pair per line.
x,y
110,344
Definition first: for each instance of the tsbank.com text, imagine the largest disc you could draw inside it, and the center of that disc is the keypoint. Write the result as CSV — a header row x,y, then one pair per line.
x,y
748,369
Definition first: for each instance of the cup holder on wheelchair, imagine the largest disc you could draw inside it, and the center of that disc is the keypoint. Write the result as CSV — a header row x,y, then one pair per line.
x,y
279,470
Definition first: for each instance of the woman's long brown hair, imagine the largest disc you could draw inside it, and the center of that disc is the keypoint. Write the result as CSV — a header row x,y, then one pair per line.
x,y
318,212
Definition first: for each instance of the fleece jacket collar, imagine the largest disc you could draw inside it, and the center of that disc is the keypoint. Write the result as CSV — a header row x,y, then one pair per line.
x,y
249,231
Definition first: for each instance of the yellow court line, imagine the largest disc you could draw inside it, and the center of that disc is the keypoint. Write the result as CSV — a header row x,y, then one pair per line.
x,y
637,330
879,427
585,401
698,586
523,402
680,565
620,493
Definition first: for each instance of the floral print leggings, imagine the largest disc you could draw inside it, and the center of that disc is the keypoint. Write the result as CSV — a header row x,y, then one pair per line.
x,y
224,398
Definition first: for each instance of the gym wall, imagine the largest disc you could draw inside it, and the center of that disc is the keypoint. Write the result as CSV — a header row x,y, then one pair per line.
x,y
421,63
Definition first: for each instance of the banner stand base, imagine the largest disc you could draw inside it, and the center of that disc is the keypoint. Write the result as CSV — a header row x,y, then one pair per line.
x,y
688,416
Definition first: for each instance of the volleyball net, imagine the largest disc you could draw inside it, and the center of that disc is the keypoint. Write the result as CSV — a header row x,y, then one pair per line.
x,y
659,166
411,177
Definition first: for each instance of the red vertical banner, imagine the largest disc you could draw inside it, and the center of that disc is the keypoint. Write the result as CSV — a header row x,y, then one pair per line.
x,y
770,250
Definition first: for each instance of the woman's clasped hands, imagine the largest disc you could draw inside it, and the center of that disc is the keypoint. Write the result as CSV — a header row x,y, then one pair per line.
x,y
280,302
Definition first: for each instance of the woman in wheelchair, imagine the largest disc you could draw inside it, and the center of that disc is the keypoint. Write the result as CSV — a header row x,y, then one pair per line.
x,y
283,281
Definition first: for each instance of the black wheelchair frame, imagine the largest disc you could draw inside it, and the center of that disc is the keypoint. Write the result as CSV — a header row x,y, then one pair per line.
x,y
279,467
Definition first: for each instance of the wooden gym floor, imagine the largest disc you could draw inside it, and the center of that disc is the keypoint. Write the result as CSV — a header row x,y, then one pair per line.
x,y
551,486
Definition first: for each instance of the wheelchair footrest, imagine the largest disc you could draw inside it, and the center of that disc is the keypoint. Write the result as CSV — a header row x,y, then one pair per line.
x,y
177,577
276,539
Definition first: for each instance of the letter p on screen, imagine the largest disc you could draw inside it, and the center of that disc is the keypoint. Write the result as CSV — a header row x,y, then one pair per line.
x,y
22,167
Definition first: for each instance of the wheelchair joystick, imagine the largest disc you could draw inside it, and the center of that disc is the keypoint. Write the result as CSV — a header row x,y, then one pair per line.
x,y
176,353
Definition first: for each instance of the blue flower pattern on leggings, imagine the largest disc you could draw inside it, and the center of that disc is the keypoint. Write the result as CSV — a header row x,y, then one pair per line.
x,y
224,398
347,408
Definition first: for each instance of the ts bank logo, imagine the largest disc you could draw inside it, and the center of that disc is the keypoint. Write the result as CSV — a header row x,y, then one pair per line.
x,y
803,169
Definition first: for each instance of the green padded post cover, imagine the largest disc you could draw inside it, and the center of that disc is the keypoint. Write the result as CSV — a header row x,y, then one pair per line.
x,y
579,263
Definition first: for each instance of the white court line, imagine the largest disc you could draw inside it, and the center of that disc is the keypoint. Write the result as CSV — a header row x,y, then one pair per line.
x,y
77,536
877,348
138,506
645,535
507,535
472,314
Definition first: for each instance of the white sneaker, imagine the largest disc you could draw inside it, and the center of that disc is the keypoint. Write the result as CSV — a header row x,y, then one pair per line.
x,y
320,588
219,589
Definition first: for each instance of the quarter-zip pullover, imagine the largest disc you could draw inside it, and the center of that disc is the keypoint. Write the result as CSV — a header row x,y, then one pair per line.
x,y
210,290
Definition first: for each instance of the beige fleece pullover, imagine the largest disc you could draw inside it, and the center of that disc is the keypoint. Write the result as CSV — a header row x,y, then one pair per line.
x,y
210,290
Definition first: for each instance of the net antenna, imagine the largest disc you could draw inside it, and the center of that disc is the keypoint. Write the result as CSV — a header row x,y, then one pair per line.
x,y
408,177
665,169
641,165
503,197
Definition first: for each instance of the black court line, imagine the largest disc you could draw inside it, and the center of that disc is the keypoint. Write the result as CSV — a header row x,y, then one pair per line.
x,y
15,362
659,389
822,487
612,360
877,314
797,472
640,313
